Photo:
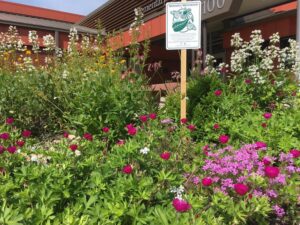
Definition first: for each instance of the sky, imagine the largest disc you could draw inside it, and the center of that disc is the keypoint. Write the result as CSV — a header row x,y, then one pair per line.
x,y
82,7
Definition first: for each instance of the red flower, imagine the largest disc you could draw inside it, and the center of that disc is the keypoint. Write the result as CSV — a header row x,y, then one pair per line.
x,y
105,129
152,116
260,145
207,181
264,125
191,127
184,120
216,126
127,169
248,81
267,115
131,129
218,92
295,153
223,139
266,161
2,149
165,155
73,147
9,120
4,136
241,189
12,149
120,142
143,118
26,133
20,143
88,136
271,171
294,93
66,134
181,205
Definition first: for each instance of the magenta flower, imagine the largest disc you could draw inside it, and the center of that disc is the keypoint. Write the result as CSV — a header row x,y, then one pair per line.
x,y
181,205
261,145
278,211
248,81
216,126
207,181
272,171
184,120
66,134
165,155
196,180
295,153
223,139
9,120
120,142
218,92
241,189
266,161
127,169
26,133
4,136
191,127
73,147
144,118
88,136
132,131
12,149
105,129
152,116
20,143
267,115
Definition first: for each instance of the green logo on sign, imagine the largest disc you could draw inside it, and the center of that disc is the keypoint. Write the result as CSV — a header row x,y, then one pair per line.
x,y
183,20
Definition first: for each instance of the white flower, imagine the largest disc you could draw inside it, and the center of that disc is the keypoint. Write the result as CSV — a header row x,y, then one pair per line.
x,y
34,158
34,40
178,191
145,150
77,152
49,42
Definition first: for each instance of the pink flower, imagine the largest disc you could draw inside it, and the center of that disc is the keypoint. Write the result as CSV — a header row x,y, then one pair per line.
x,y
295,153
143,118
272,171
12,149
165,155
207,181
267,115
181,205
105,129
191,127
260,145
218,92
73,147
248,81
20,143
66,134
88,136
9,120
132,131
184,120
196,180
120,142
216,126
127,169
241,189
223,139
26,133
152,116
266,161
264,125
4,136
2,149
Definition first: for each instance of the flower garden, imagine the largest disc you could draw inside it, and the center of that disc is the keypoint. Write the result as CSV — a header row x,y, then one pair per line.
x,y
83,141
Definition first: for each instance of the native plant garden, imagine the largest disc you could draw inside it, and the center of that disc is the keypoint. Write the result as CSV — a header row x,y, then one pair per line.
x,y
83,142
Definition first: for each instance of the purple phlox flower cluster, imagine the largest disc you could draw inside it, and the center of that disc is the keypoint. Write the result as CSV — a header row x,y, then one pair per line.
x,y
283,157
166,121
278,211
280,179
271,193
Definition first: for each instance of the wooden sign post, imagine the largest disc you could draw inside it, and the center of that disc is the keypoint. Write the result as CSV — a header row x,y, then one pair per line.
x,y
183,32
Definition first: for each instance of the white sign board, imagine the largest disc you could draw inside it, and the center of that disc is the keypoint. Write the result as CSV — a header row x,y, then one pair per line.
x,y
183,30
